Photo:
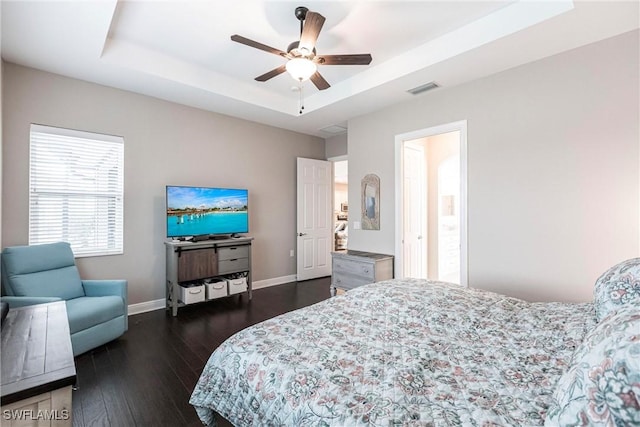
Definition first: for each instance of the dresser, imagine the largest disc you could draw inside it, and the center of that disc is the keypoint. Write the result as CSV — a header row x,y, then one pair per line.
x,y
38,369
356,268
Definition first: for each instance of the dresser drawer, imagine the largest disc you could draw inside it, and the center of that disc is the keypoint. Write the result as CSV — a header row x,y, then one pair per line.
x,y
347,281
233,252
366,271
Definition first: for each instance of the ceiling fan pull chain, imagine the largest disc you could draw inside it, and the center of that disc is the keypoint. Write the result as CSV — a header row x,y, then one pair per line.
x,y
301,99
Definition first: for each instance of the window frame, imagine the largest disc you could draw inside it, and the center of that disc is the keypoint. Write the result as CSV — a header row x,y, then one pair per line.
x,y
105,237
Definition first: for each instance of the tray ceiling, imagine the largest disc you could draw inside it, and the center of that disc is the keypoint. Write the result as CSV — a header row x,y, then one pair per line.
x,y
181,50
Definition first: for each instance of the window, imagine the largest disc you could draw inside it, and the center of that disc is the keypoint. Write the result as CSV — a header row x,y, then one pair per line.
x,y
76,190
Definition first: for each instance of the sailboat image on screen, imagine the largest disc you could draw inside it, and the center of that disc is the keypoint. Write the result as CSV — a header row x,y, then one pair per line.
x,y
206,211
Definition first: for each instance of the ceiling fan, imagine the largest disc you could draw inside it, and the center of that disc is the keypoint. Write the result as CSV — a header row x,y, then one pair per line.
x,y
302,60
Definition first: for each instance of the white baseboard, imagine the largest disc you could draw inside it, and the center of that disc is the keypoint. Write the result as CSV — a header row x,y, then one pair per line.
x,y
159,304
143,307
273,282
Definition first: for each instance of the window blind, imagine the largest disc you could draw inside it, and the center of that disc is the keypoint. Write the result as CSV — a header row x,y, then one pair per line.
x,y
76,190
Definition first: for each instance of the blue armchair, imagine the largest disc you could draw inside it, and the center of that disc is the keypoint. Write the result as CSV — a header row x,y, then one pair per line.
x,y
97,309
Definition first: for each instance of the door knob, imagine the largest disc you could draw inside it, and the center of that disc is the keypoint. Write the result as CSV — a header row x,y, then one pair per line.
x,y
302,234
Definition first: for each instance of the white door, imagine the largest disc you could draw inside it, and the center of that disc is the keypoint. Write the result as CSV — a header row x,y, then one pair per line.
x,y
414,221
314,225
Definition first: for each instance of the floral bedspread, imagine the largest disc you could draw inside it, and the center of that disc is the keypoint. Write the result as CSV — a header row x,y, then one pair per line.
x,y
404,352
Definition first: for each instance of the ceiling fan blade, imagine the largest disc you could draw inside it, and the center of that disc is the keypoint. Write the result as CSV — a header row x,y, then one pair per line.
x,y
313,23
252,43
319,81
355,59
268,75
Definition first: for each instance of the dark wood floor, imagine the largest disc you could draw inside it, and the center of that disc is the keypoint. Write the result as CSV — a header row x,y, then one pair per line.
x,y
145,378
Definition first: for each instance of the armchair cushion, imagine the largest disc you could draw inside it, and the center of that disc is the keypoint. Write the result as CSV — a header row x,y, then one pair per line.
x,y
99,288
47,270
63,283
86,312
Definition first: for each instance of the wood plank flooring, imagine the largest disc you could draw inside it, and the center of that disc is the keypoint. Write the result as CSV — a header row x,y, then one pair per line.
x,y
145,378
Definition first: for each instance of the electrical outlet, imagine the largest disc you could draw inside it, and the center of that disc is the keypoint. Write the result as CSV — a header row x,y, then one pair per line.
x,y
356,225
291,253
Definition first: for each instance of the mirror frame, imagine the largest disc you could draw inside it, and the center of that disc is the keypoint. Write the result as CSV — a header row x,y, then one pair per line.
x,y
367,222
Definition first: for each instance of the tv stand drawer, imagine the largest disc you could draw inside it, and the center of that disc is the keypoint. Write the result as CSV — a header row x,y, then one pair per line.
x,y
233,265
233,252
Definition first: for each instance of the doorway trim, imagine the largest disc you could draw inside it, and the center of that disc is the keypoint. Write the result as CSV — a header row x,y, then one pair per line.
x,y
460,126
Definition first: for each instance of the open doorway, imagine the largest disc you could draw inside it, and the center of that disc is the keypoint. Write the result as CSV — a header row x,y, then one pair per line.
x,y
431,204
340,204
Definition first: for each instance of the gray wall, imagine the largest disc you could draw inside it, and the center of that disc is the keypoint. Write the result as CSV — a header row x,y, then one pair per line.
x,y
553,169
165,143
336,146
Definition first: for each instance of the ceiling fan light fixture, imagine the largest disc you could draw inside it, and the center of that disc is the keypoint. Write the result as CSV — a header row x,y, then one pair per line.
x,y
301,54
301,69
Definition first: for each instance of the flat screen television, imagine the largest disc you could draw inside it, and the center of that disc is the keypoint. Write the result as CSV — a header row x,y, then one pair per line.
x,y
206,211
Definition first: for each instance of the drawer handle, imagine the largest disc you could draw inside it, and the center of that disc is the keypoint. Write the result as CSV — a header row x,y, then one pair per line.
x,y
234,259
194,291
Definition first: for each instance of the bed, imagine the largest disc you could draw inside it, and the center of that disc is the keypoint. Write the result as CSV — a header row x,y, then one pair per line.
x,y
417,353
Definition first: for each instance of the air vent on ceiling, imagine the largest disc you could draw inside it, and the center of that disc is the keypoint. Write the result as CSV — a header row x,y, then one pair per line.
x,y
423,88
334,129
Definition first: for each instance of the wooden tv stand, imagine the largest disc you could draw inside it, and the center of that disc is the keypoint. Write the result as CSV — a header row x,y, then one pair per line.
x,y
206,259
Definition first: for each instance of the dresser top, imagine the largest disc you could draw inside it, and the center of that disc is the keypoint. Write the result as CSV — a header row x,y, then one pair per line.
x,y
361,254
36,351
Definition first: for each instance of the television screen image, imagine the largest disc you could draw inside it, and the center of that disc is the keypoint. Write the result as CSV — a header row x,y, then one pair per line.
x,y
197,211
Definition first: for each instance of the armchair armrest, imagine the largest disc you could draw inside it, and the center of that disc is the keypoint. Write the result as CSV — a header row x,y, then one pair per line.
x,y
15,302
101,288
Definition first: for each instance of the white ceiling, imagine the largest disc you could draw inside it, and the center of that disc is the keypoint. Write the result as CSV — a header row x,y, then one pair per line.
x,y
181,50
